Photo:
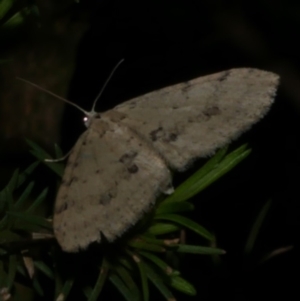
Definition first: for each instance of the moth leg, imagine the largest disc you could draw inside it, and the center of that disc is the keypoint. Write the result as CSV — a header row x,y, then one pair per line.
x,y
61,158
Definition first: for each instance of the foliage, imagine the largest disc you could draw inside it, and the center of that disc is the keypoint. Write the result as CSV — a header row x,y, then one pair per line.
x,y
131,264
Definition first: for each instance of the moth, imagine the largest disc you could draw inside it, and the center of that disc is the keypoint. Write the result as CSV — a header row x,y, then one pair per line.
x,y
121,163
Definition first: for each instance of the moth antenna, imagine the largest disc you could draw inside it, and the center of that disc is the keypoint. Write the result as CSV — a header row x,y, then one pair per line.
x,y
53,94
105,84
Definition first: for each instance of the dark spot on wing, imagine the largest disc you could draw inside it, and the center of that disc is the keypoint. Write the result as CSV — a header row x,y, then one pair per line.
x,y
61,208
173,137
211,111
73,179
127,158
133,168
132,105
224,76
105,198
186,86
156,134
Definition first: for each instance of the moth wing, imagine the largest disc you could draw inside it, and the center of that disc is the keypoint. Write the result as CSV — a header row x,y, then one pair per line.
x,y
111,179
192,119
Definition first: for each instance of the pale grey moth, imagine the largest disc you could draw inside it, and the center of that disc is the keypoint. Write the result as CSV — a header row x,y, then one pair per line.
x,y
121,163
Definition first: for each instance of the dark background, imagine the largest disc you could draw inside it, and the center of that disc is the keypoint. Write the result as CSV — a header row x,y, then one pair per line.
x,y
76,46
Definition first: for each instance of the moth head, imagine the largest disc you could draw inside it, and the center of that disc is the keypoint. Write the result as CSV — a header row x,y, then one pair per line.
x,y
88,118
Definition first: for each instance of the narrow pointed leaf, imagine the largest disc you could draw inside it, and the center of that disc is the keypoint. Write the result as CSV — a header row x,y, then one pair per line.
x,y
173,207
35,220
40,265
38,201
162,228
5,6
118,283
12,184
158,281
37,286
186,222
17,19
63,295
128,281
12,270
26,173
39,153
143,275
24,196
179,194
256,227
203,178
199,250
159,263
182,285
139,244
93,296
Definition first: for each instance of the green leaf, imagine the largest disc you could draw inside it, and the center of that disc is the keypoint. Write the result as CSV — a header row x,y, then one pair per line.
x,y
128,281
63,295
24,196
93,295
26,173
12,270
7,237
182,285
58,151
139,244
181,248
13,183
118,283
173,207
209,173
41,154
144,279
35,220
156,241
37,286
186,222
159,263
40,265
37,201
256,227
162,228
125,261
17,19
179,194
3,275
5,6
158,281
